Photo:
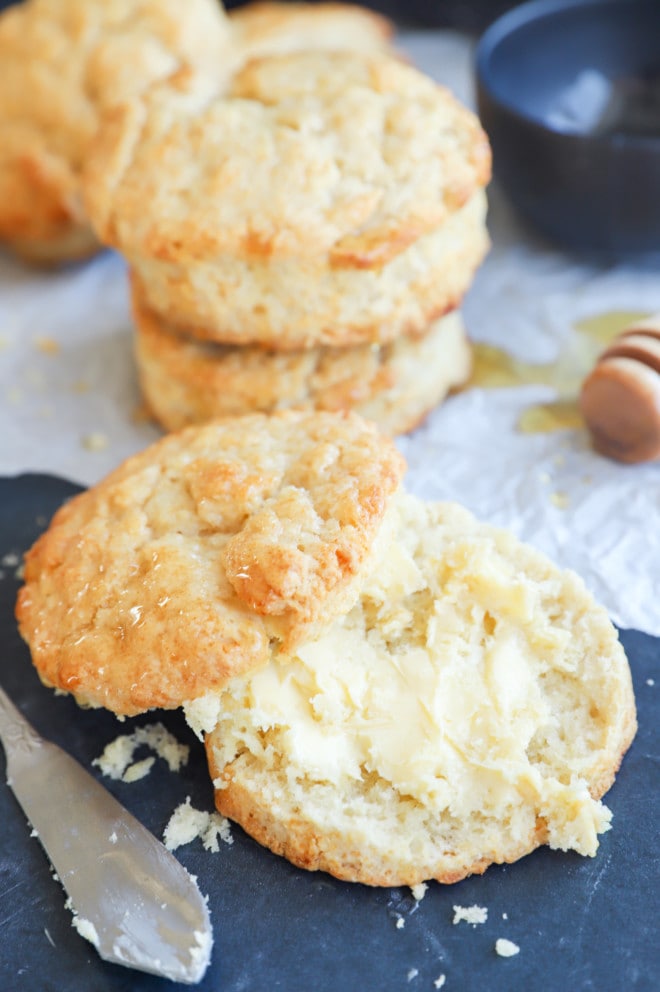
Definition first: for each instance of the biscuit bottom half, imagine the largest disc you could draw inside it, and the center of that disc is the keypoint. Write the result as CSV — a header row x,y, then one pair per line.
x,y
474,704
185,381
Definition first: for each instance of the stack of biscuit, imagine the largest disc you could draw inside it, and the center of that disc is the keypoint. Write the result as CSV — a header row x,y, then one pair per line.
x,y
299,235
301,211
388,690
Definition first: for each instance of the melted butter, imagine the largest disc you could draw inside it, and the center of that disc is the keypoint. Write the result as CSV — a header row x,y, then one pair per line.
x,y
495,368
442,709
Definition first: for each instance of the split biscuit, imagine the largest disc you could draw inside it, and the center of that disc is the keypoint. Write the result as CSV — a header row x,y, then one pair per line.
x,y
194,559
327,198
389,690
474,704
62,62
185,381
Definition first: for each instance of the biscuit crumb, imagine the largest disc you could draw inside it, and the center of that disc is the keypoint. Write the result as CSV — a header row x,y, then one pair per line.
x,y
506,948
86,929
413,973
400,923
95,441
650,681
188,823
419,891
10,560
202,713
47,345
115,762
560,500
471,914
138,770
440,981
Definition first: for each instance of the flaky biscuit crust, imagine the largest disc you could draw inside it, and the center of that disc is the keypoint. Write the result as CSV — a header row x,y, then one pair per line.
x,y
180,569
62,60
185,381
345,157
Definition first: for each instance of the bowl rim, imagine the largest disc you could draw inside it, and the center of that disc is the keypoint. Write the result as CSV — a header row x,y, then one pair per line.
x,y
527,13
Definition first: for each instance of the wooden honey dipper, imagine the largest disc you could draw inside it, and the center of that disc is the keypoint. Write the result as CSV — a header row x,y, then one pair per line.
x,y
620,398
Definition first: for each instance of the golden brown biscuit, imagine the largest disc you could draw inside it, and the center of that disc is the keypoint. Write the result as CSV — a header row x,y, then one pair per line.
x,y
474,704
291,304
63,60
185,381
277,28
320,202
190,560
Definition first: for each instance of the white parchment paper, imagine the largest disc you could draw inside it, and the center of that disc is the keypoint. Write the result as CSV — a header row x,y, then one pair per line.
x,y
69,399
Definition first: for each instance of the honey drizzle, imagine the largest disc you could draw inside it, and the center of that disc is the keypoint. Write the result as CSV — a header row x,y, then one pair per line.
x,y
495,368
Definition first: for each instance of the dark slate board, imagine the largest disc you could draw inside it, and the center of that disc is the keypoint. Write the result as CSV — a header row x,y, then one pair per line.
x,y
581,924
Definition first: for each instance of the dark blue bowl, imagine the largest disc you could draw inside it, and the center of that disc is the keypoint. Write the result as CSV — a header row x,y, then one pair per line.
x,y
569,94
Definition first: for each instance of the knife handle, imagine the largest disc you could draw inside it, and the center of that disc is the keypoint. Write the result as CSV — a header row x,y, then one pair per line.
x,y
17,735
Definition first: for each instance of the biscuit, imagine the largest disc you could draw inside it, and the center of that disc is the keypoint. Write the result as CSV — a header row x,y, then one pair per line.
x,y
291,304
195,558
185,381
328,198
62,61
474,704
260,29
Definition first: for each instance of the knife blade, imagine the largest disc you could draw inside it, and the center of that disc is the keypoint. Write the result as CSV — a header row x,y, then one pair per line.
x,y
130,897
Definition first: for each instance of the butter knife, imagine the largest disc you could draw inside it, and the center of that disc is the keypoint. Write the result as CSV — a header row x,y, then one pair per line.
x,y
130,897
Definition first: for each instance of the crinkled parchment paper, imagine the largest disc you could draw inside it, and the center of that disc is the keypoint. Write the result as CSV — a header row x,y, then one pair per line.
x,y
70,404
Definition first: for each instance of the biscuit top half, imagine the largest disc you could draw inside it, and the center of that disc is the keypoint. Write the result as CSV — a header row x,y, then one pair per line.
x,y
343,155
188,563
62,60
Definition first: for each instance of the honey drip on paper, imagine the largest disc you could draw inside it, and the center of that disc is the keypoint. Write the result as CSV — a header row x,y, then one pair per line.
x,y
560,415
497,369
